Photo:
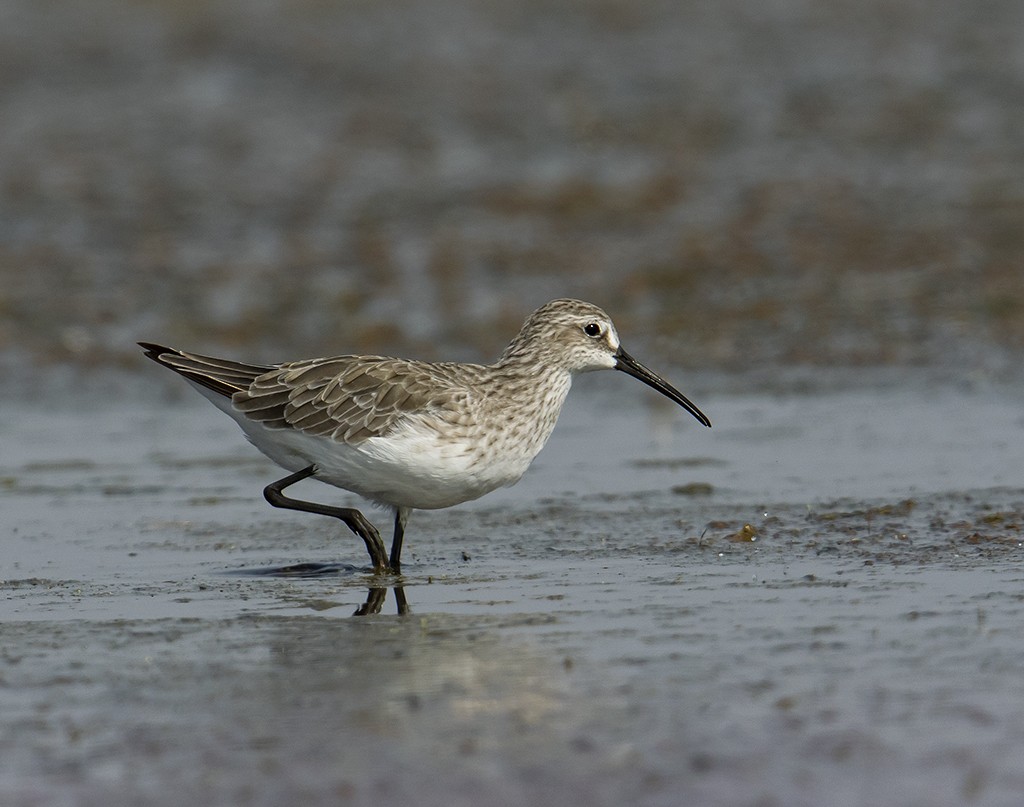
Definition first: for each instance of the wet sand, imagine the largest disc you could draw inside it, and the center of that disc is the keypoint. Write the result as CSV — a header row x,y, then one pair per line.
x,y
657,614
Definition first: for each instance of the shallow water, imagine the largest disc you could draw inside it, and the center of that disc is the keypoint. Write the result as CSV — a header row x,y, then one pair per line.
x,y
819,600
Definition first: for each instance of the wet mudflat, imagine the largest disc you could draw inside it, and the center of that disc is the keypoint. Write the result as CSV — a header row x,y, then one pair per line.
x,y
810,603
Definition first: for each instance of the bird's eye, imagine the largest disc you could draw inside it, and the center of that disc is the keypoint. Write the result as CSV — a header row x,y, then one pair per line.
x,y
592,329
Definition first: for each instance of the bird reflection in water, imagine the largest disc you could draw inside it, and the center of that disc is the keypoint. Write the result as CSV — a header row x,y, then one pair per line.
x,y
376,596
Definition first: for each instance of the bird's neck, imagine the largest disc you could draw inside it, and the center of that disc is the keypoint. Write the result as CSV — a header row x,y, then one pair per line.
x,y
526,367
534,355
518,352
532,395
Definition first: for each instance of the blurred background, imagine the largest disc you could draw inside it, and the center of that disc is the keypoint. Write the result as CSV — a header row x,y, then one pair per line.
x,y
743,186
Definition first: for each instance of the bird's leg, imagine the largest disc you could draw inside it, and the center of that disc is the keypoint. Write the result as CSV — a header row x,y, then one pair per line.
x,y
401,517
353,519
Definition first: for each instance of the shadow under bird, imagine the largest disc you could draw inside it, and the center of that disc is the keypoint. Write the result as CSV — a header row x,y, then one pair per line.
x,y
413,435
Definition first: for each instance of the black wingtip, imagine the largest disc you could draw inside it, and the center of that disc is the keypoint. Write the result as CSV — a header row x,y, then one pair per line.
x,y
155,351
220,375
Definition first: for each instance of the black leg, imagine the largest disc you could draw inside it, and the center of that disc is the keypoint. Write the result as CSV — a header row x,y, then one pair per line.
x,y
401,517
353,519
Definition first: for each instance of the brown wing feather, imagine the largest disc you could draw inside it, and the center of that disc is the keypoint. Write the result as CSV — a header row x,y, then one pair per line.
x,y
349,398
223,376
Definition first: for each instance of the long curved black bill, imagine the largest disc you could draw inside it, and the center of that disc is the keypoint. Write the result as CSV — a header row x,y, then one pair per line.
x,y
630,366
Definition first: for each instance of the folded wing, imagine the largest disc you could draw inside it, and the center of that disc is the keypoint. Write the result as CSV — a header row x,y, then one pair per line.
x,y
347,398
